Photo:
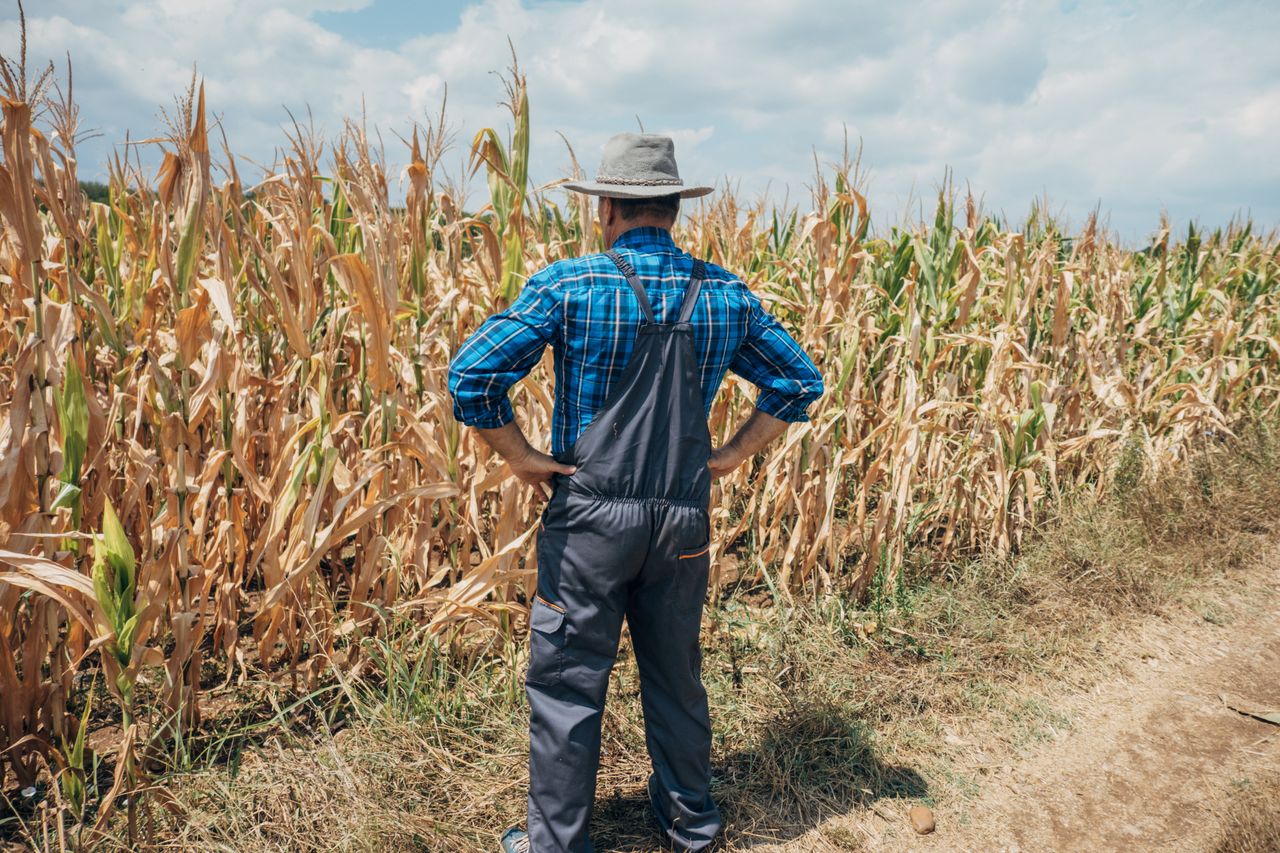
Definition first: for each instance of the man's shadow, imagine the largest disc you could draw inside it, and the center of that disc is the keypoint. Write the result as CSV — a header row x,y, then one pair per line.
x,y
812,762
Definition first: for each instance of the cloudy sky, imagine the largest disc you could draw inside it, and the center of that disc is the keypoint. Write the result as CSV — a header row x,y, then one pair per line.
x,y
1136,107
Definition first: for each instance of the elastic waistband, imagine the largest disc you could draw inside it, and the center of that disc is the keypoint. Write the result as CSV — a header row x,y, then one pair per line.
x,y
570,487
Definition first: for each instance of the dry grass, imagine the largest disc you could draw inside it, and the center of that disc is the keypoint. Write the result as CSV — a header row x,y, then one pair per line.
x,y
1251,823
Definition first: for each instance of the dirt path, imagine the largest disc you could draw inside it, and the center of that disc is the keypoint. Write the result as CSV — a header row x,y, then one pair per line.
x,y
1144,760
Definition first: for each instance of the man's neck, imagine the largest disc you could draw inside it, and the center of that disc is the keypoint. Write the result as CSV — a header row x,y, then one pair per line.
x,y
633,224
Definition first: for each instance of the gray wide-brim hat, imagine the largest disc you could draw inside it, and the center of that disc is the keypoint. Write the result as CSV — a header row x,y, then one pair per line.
x,y
638,165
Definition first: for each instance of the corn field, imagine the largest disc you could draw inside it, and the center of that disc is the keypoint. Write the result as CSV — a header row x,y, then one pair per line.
x,y
226,444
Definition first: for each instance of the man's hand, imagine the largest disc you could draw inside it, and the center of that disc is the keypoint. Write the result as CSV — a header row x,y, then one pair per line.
x,y
536,468
723,460
529,465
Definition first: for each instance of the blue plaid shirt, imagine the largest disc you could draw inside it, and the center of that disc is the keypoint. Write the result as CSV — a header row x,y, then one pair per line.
x,y
584,308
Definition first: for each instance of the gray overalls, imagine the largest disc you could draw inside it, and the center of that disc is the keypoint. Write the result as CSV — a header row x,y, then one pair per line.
x,y
627,535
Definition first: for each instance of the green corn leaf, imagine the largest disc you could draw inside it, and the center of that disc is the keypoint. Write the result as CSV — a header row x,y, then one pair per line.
x,y
68,497
125,686
108,257
520,141
124,639
189,247
102,588
76,753
296,479
119,553
73,415
512,263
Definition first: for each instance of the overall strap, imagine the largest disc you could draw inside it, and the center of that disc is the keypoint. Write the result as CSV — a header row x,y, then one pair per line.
x,y
691,292
629,271
690,295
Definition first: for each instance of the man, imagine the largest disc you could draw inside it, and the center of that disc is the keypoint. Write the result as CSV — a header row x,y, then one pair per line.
x,y
643,336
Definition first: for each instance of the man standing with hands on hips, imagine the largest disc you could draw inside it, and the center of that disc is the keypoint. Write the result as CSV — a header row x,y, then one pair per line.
x,y
643,336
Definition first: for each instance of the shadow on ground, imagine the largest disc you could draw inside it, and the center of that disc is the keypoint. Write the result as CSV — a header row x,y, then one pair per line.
x,y
810,763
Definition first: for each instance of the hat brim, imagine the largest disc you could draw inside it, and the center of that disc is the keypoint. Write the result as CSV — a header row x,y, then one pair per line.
x,y
634,190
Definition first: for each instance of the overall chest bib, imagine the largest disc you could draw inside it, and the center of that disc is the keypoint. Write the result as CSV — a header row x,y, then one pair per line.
x,y
649,441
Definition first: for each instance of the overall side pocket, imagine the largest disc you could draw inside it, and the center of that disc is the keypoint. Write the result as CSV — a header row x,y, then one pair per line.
x,y
700,552
546,643
695,527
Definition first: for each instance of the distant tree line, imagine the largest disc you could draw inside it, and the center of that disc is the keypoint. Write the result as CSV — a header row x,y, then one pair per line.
x,y
95,190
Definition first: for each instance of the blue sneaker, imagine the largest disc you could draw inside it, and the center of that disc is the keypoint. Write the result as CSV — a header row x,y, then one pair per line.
x,y
515,840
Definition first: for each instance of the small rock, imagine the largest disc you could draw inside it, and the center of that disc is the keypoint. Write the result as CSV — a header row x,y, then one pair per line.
x,y
921,819
28,792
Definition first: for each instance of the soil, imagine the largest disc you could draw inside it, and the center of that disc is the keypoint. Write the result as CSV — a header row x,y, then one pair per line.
x,y
1145,758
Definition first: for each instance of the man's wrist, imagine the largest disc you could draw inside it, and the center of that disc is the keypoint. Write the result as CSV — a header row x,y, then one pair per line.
x,y
508,442
733,449
520,454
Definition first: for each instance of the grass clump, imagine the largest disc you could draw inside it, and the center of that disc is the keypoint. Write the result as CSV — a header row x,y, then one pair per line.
x,y
1251,824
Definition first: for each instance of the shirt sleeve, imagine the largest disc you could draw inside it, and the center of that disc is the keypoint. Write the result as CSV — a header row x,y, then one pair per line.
x,y
502,352
770,359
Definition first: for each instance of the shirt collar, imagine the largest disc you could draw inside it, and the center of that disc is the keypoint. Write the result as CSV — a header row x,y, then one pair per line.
x,y
646,238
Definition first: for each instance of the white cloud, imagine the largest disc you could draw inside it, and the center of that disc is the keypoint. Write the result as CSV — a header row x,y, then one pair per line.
x,y
1137,104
